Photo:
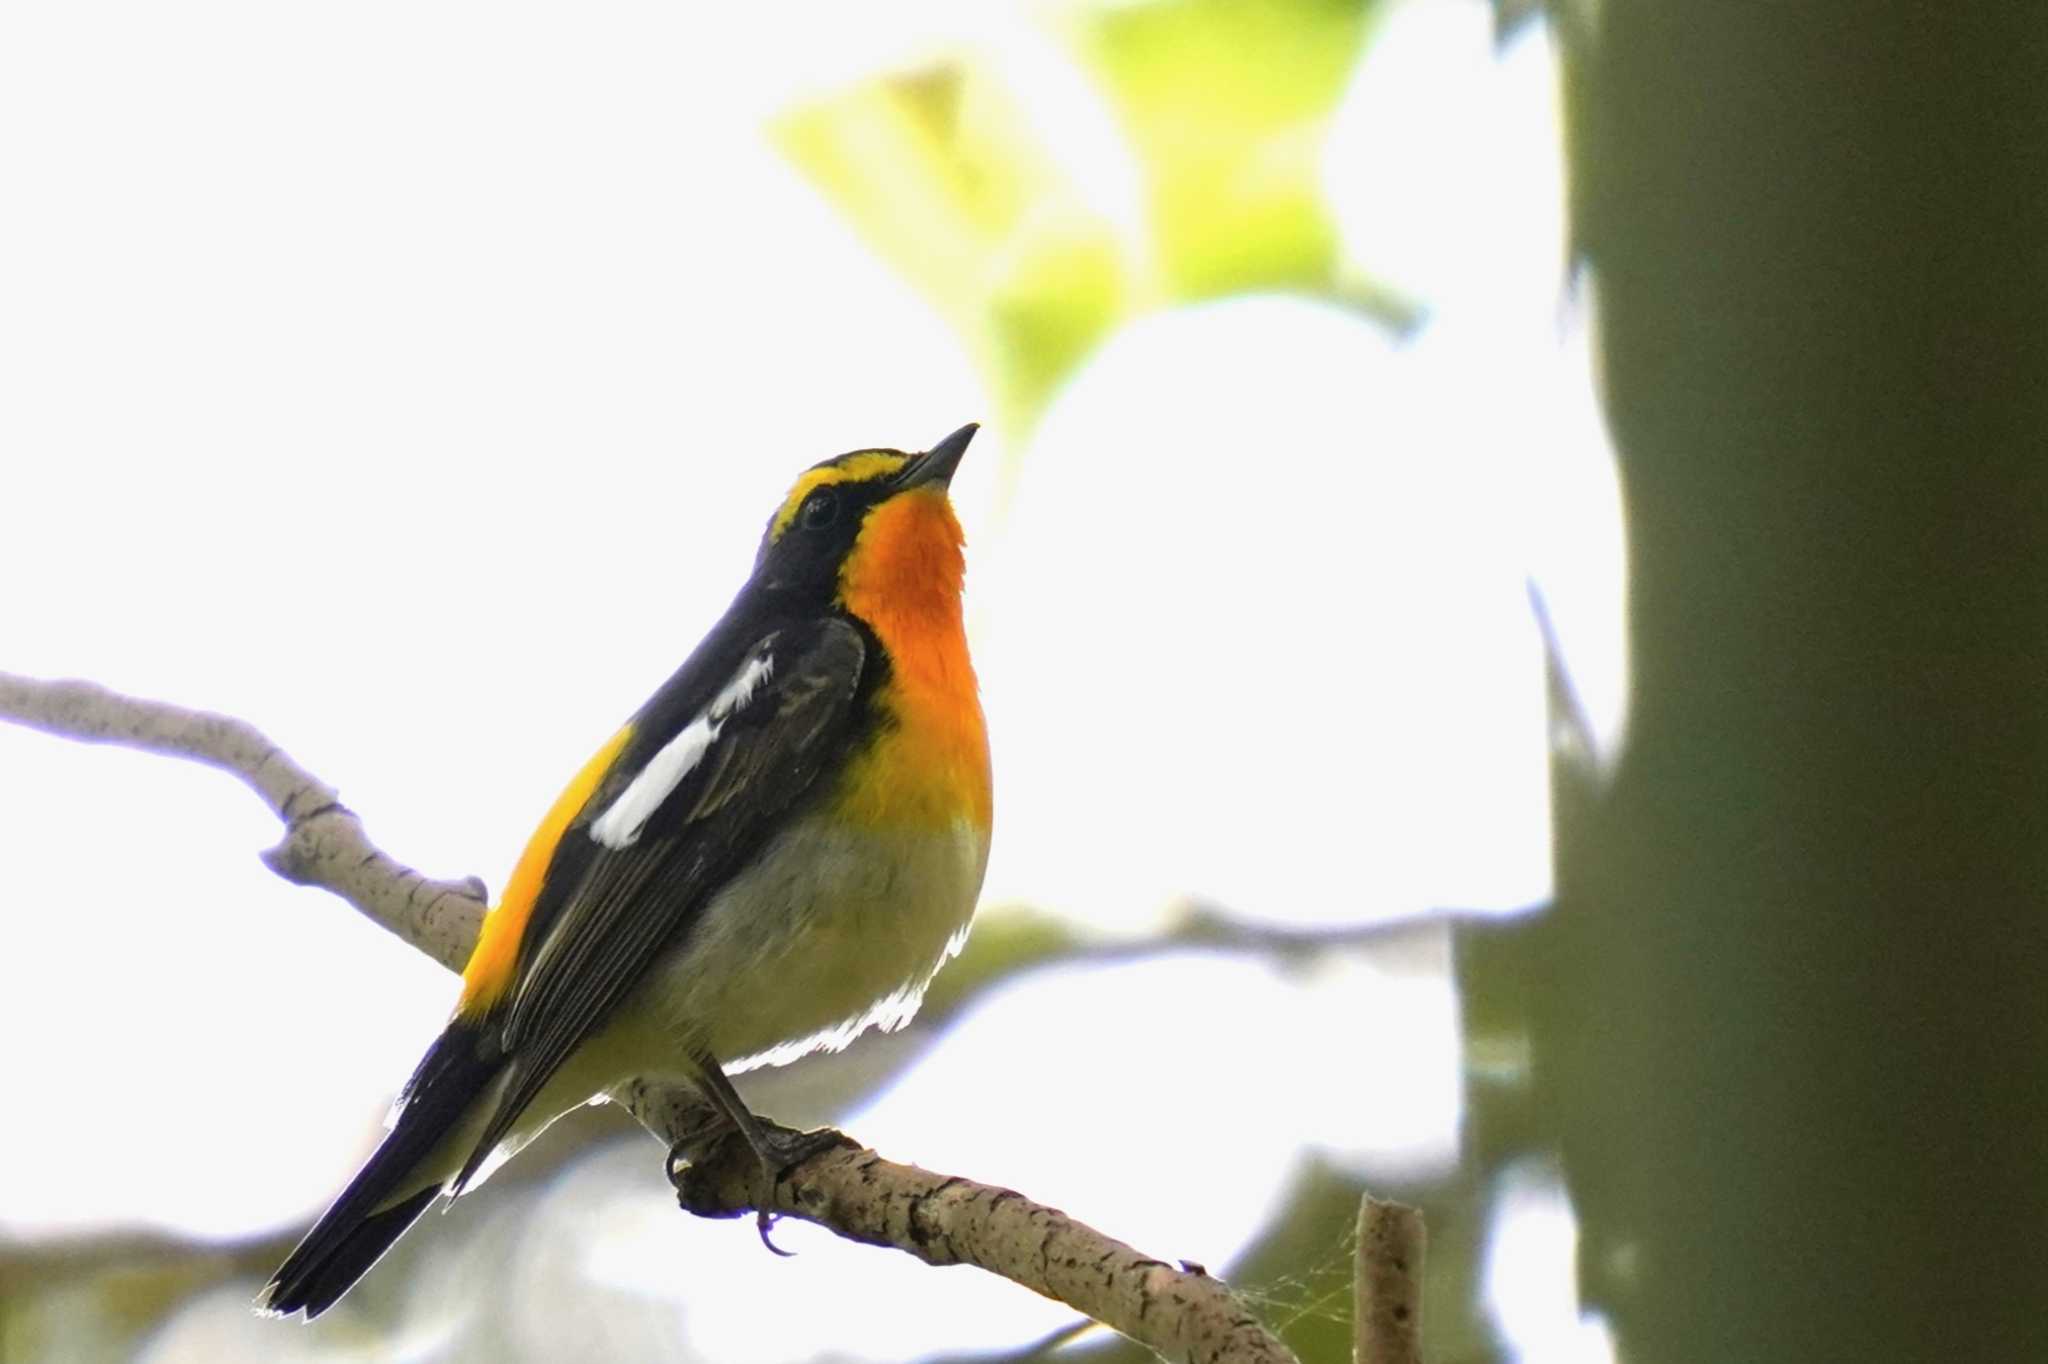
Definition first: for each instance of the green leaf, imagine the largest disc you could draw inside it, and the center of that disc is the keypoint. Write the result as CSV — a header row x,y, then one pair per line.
x,y
1227,103
943,176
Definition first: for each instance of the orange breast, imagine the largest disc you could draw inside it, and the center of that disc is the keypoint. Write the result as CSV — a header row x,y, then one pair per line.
x,y
929,767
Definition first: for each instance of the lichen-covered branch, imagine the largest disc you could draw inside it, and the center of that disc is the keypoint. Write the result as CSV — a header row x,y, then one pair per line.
x,y
1184,1316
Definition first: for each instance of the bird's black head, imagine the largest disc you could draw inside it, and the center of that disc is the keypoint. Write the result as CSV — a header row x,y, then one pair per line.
x,y
831,522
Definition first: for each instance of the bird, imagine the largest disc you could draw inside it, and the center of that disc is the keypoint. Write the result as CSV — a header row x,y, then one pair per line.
x,y
773,854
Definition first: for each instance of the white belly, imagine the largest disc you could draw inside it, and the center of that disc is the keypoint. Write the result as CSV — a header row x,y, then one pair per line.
x,y
832,931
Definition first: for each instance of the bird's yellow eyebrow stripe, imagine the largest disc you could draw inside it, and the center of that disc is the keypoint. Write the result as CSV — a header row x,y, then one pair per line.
x,y
854,468
489,973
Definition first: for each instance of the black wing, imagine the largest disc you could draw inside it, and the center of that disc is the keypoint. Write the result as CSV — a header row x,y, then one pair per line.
x,y
655,842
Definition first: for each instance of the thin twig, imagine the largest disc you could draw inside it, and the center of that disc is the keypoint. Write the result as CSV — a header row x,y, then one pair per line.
x,y
1391,1243
855,1193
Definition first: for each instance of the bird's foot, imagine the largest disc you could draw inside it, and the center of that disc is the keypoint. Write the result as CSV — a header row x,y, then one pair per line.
x,y
693,1147
738,1170
781,1149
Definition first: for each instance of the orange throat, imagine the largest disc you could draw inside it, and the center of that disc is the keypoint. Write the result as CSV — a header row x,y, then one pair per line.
x,y
903,578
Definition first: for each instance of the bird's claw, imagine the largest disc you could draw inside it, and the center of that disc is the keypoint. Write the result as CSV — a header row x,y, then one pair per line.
x,y
764,1223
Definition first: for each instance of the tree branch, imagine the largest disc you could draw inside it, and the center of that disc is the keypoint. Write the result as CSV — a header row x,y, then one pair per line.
x,y
1388,1324
855,1193
946,1220
324,843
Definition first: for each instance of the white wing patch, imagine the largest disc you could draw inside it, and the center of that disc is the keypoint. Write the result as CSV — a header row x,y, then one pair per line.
x,y
620,825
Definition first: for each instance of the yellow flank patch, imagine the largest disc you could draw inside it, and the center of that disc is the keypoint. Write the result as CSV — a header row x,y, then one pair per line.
x,y
855,468
489,973
929,768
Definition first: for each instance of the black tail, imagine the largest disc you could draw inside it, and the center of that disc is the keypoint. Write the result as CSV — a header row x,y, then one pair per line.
x,y
328,1262
390,1192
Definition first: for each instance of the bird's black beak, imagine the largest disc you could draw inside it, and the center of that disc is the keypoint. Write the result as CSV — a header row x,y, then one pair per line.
x,y
937,464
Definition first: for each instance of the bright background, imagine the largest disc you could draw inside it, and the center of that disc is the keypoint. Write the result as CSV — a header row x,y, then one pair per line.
x,y
414,380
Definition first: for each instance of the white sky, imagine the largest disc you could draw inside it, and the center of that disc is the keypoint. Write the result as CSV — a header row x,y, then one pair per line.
x,y
414,379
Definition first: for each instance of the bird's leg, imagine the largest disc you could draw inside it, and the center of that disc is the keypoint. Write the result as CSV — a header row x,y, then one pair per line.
x,y
779,1149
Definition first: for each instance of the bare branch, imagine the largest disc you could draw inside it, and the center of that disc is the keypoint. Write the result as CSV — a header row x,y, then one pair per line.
x,y
1391,1242
854,1193
324,843
1181,1315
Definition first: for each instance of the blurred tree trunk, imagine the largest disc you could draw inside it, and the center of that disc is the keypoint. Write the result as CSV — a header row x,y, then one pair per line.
x,y
1793,1021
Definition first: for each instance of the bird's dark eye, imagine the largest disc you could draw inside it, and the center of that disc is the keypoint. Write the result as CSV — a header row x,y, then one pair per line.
x,y
821,509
